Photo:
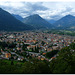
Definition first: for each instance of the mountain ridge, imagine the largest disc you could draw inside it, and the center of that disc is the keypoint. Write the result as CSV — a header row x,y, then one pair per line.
x,y
10,23
18,17
36,21
66,21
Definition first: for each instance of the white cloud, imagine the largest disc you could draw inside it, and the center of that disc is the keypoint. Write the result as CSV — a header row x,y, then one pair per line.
x,y
39,0
47,10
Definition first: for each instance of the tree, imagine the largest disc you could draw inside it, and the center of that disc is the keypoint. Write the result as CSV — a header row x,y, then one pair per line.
x,y
51,54
35,67
64,62
72,46
12,63
42,42
37,49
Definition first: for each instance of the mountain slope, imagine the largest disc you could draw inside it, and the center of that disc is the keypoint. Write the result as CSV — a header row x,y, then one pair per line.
x,y
10,23
18,17
36,21
65,22
51,21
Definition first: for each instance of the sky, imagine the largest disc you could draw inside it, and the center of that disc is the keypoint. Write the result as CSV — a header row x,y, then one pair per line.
x,y
46,9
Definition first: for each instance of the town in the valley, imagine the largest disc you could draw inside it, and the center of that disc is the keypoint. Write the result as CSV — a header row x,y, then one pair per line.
x,y
21,46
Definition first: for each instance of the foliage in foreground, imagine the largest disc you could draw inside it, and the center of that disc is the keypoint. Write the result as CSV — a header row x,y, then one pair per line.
x,y
64,63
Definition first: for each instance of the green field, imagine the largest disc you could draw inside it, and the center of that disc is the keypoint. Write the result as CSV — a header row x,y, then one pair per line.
x,y
62,32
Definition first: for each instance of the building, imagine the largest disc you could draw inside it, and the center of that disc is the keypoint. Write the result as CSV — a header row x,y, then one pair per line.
x,y
7,55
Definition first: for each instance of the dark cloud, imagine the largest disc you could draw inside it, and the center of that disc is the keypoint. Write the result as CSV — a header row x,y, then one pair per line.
x,y
37,6
33,7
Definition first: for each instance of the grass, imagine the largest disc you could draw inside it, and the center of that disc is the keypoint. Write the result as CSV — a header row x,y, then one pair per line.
x,y
9,61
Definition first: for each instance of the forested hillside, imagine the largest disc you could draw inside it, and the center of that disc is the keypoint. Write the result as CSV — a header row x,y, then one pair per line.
x,y
64,63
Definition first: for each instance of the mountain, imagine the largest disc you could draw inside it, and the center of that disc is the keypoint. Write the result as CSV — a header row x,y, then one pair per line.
x,y
10,23
36,21
65,22
51,21
18,17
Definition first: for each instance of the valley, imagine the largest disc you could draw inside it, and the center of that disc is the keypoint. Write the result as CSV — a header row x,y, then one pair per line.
x,y
36,38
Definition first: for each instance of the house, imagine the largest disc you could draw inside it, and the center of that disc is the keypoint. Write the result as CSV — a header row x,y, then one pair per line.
x,y
28,47
49,49
53,57
2,55
55,47
31,46
42,58
7,55
44,53
20,58
10,36
39,57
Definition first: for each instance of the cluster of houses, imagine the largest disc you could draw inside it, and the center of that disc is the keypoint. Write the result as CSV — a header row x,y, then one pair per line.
x,y
10,55
44,41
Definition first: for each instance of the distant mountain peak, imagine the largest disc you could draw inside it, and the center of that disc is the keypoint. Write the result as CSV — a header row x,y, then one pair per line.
x,y
66,21
36,21
35,15
10,23
69,15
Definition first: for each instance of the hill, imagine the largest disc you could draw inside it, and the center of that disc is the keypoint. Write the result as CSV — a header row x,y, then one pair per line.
x,y
10,23
37,22
18,17
67,21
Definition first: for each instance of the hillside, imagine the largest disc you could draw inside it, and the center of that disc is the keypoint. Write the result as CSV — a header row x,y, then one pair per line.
x,y
18,17
51,21
65,22
37,22
10,23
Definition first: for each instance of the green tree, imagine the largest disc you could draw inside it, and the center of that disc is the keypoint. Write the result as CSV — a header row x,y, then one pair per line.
x,y
12,63
51,54
64,62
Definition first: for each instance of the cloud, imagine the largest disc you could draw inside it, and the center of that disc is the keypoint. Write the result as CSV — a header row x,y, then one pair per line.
x,y
47,10
57,13
36,6
23,8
